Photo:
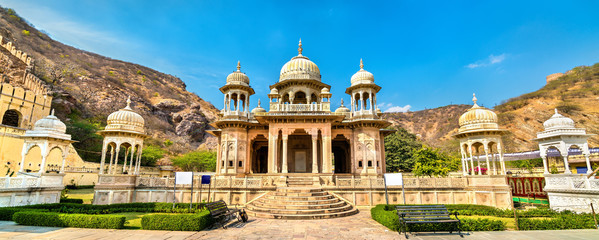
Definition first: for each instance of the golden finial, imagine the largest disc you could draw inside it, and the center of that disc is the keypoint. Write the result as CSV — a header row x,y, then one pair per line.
x,y
474,98
361,64
238,66
300,49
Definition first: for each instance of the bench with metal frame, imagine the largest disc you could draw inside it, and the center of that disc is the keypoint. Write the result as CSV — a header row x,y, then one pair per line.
x,y
420,214
221,213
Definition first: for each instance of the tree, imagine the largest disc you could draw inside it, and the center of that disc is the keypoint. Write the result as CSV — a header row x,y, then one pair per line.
x,y
399,149
89,144
198,161
151,154
431,162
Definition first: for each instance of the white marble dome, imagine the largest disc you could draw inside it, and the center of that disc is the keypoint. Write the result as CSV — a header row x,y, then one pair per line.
x,y
50,124
300,67
558,121
125,120
478,117
238,77
342,108
258,109
274,91
362,76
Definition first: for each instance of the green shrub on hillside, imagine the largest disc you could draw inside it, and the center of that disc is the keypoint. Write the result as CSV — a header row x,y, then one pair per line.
x,y
198,161
69,220
177,222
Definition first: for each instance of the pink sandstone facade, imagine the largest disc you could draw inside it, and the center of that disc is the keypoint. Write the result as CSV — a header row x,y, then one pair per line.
x,y
300,134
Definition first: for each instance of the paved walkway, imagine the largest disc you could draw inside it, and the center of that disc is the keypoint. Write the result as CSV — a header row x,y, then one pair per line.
x,y
359,226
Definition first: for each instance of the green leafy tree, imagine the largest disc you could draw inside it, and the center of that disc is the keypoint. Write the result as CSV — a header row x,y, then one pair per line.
x,y
198,161
431,162
151,154
399,149
89,144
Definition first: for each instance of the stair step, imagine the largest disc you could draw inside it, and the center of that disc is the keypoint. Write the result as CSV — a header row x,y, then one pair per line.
x,y
298,198
296,202
300,206
295,190
303,217
300,211
299,194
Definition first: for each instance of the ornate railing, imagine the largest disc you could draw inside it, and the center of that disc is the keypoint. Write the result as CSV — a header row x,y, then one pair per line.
x,y
557,182
436,183
314,107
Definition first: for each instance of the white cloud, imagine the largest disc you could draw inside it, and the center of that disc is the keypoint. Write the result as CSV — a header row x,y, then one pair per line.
x,y
492,59
390,108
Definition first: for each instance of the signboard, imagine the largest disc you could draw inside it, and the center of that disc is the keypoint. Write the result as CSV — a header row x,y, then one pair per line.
x,y
183,177
393,179
205,179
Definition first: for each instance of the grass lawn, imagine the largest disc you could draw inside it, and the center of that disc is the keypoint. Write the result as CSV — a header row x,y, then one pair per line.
x,y
510,223
133,219
86,194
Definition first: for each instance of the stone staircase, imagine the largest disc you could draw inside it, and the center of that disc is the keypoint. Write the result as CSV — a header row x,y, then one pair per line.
x,y
300,200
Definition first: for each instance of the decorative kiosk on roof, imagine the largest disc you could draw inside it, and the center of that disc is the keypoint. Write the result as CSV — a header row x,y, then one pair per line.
x,y
479,133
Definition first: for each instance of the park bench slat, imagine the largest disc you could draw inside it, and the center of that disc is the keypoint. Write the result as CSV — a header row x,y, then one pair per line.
x,y
221,212
418,214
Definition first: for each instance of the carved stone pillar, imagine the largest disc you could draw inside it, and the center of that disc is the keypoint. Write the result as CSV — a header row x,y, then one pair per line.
x,y
545,165
315,151
284,164
487,158
566,164
471,160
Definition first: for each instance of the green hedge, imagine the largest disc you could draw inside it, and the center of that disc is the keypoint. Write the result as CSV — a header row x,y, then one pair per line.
x,y
6,213
387,216
177,222
69,220
71,200
117,208
570,221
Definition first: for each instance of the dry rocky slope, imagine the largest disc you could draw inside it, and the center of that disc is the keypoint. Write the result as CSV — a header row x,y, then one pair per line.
x,y
94,86
575,95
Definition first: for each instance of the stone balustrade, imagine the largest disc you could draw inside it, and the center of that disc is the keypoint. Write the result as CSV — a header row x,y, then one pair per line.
x,y
571,192
26,189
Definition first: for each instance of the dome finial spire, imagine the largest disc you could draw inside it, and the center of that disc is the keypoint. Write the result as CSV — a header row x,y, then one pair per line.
x,y
258,102
342,102
555,111
128,103
238,66
474,99
52,113
300,49
361,64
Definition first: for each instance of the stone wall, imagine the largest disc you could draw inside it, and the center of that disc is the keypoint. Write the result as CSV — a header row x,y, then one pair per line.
x,y
28,80
572,192
28,190
483,190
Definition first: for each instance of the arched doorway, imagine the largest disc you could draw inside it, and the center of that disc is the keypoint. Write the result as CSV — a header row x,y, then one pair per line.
x,y
341,154
260,155
11,118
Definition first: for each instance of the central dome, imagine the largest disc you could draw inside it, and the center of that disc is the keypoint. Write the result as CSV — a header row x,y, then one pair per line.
x,y
478,117
558,121
300,67
362,76
125,120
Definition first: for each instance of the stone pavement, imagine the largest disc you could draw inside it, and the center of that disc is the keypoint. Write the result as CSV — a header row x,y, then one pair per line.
x,y
359,226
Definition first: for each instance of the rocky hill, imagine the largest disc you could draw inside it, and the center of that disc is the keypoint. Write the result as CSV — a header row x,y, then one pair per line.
x,y
433,126
575,94
87,87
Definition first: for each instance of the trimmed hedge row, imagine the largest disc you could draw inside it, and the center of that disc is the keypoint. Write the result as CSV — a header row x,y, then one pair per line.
x,y
387,216
71,200
6,213
572,221
177,222
48,219
480,210
117,208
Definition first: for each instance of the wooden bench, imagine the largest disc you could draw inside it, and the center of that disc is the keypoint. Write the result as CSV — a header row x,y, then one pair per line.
x,y
221,213
420,214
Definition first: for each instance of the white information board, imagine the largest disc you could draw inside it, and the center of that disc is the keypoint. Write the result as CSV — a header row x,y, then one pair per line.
x,y
393,179
183,177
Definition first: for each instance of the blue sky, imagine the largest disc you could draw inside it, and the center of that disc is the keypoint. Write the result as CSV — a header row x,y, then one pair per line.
x,y
423,54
